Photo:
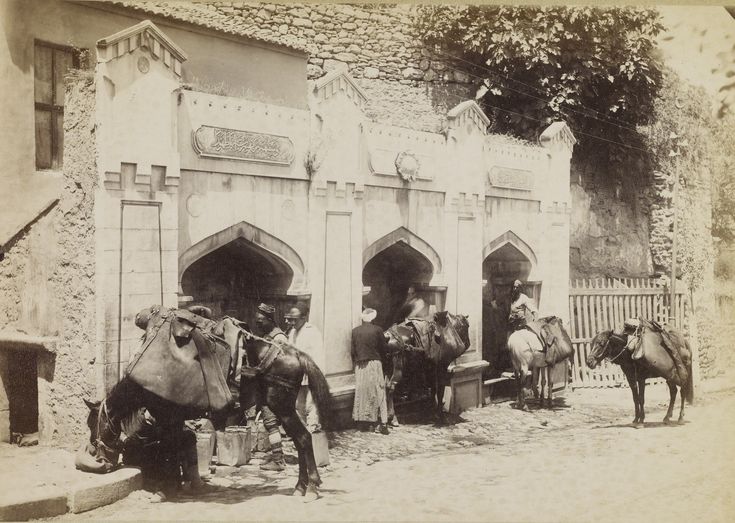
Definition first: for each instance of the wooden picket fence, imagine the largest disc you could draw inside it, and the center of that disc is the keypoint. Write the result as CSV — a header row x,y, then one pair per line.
x,y
602,304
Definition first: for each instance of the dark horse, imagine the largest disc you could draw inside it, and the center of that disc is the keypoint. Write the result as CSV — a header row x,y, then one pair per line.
x,y
166,379
656,363
440,342
272,375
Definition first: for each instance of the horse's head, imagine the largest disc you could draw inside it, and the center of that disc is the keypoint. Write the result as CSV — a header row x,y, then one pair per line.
x,y
399,338
600,348
102,452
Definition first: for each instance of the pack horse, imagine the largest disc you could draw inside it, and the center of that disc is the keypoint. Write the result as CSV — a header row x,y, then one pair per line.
x,y
184,370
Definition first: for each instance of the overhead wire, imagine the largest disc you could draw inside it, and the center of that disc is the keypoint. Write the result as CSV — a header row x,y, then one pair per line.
x,y
574,130
603,119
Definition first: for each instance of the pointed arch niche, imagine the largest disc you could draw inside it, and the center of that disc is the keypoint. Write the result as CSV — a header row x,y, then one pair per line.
x,y
505,259
392,265
237,267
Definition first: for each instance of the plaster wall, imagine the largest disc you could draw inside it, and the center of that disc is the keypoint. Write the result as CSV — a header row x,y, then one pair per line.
x,y
216,62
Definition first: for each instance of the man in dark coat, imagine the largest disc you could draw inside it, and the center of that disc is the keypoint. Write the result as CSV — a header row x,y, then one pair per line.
x,y
368,350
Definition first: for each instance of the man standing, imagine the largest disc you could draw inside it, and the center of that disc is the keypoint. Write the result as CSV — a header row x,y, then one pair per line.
x,y
307,338
368,350
265,327
522,309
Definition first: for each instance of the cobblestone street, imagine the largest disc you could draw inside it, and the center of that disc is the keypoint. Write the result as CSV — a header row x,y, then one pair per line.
x,y
581,462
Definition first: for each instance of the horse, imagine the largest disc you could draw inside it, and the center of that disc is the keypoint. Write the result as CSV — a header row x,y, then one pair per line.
x,y
124,423
271,374
186,380
657,362
440,341
178,374
399,340
527,352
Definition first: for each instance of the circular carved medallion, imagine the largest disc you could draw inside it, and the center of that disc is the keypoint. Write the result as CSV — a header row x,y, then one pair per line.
x,y
143,64
194,205
407,165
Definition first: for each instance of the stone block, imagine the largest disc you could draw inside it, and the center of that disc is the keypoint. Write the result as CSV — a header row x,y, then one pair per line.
x,y
98,490
22,505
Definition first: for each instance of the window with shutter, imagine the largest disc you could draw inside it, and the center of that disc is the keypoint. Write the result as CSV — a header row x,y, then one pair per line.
x,y
51,63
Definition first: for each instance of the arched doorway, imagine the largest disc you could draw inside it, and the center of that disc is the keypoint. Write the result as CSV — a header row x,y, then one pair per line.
x,y
234,278
394,264
507,258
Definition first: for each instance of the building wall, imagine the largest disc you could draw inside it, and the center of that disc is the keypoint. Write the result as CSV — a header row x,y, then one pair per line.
x,y
215,63
49,283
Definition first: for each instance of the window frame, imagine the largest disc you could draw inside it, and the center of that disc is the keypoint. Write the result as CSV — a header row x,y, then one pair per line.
x,y
57,156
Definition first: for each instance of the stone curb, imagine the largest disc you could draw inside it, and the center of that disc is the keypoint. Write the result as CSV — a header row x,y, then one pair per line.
x,y
89,492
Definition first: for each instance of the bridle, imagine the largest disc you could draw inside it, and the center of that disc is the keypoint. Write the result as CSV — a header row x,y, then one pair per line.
x,y
604,350
99,443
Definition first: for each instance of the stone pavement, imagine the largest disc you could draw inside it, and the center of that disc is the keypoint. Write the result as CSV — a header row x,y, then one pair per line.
x,y
580,462
41,482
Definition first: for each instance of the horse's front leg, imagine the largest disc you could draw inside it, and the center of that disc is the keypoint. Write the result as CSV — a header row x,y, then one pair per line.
x,y
549,381
535,376
633,384
642,398
283,404
672,401
439,400
522,376
681,411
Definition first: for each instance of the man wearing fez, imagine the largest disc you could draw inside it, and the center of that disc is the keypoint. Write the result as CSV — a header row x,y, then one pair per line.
x,y
307,338
265,327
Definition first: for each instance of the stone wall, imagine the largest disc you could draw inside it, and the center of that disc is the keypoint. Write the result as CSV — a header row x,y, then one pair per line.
x,y
406,84
73,279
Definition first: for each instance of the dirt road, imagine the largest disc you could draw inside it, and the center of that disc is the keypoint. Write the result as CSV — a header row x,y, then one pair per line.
x,y
583,463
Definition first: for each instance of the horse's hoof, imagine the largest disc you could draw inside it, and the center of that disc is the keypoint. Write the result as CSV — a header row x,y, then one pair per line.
x,y
638,425
311,494
299,490
667,421
680,421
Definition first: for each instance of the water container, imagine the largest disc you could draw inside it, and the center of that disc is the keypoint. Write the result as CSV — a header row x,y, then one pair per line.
x,y
233,446
205,450
320,444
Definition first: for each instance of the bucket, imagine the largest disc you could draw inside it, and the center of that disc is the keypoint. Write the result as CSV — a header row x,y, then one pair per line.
x,y
320,444
205,450
233,446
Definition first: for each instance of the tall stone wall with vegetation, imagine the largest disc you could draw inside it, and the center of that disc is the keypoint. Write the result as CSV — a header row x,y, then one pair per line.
x,y
685,146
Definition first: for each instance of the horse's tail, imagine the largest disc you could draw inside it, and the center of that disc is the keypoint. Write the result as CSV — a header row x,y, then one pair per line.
x,y
319,388
689,393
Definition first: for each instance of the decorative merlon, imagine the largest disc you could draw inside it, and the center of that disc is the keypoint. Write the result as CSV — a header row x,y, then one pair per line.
x,y
144,35
339,81
468,111
557,135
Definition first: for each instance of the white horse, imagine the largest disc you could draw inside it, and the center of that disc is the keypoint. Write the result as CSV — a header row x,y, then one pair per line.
x,y
526,353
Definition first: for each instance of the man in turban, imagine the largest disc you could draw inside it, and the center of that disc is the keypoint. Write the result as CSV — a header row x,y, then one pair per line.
x,y
368,350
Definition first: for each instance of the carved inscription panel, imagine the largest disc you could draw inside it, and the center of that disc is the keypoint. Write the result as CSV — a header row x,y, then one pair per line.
x,y
509,178
233,144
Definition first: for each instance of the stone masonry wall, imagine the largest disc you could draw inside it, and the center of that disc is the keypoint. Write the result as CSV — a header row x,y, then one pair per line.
x,y
406,84
73,280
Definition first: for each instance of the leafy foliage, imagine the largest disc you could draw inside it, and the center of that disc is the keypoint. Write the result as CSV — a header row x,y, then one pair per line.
x,y
595,68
